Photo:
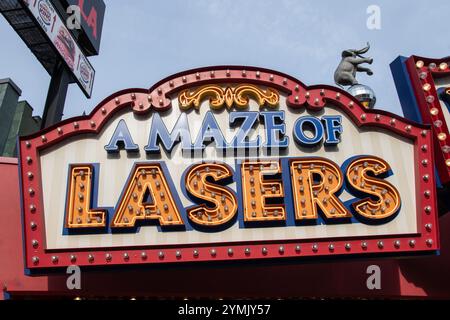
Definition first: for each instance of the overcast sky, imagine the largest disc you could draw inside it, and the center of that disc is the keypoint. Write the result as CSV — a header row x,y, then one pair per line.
x,y
144,41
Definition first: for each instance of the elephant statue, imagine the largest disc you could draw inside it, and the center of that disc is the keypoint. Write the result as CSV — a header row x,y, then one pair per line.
x,y
345,74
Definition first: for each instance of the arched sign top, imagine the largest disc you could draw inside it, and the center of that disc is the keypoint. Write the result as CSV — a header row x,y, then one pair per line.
x,y
157,98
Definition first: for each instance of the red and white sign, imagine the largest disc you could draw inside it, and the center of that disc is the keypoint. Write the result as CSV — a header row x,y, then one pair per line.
x,y
57,32
227,163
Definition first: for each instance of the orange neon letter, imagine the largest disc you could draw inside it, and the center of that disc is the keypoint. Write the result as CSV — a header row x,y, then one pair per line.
x,y
223,200
147,195
78,211
314,184
256,190
388,198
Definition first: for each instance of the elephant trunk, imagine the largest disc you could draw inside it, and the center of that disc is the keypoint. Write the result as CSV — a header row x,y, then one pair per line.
x,y
362,51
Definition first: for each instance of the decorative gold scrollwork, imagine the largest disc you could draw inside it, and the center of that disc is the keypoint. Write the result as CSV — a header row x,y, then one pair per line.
x,y
238,96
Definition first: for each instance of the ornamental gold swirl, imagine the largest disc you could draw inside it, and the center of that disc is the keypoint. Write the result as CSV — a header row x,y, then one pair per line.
x,y
219,97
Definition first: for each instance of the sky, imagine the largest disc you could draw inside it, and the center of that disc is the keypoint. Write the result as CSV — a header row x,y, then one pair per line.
x,y
145,41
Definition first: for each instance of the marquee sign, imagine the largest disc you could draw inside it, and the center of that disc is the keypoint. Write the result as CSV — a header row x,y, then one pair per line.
x,y
226,163
430,85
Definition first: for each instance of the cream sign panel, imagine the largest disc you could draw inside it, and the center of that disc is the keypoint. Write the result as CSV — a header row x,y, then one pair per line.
x,y
218,164
113,170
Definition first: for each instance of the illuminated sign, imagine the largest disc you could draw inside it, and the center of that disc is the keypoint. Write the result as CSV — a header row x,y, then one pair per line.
x,y
428,82
226,163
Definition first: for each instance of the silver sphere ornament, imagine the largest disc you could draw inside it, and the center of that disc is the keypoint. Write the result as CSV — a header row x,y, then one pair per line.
x,y
364,94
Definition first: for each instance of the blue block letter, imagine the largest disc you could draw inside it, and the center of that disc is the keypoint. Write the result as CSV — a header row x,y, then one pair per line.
x,y
121,137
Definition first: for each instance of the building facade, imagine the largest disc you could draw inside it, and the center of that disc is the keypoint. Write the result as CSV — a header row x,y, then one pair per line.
x,y
16,118
233,182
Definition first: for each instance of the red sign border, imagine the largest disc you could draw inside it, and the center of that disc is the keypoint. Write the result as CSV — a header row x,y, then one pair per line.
x,y
157,98
420,65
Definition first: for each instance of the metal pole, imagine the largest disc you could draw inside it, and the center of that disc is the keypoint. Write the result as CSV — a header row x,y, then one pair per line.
x,y
56,96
